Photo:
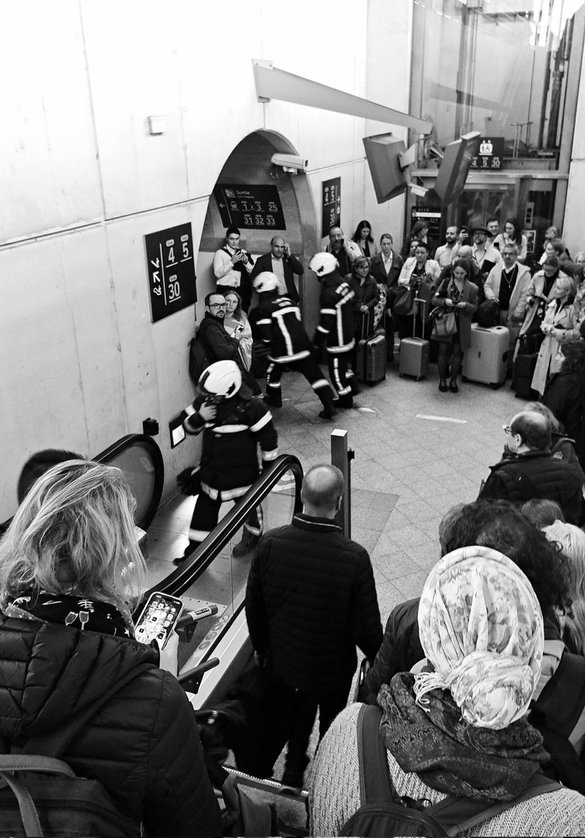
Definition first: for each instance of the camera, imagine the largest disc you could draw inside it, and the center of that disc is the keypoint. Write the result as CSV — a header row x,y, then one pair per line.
x,y
291,163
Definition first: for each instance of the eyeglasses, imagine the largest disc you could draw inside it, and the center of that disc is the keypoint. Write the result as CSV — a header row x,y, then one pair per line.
x,y
217,305
507,429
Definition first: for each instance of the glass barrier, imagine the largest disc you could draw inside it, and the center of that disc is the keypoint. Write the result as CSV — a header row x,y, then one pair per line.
x,y
213,579
139,457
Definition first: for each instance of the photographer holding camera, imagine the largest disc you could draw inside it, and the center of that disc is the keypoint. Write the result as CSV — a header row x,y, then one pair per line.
x,y
232,266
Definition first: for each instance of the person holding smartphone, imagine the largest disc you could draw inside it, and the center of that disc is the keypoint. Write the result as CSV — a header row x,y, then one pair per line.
x,y
280,261
232,267
70,574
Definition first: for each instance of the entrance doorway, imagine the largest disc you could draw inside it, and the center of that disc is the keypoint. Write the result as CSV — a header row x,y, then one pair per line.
x,y
249,165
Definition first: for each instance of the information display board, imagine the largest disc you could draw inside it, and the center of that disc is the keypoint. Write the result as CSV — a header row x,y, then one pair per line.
x,y
171,270
250,207
431,217
331,194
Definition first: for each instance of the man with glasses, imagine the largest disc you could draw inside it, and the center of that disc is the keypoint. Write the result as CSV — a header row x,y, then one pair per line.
x,y
218,344
280,261
529,470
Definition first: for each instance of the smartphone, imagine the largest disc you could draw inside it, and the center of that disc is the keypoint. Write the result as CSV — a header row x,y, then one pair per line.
x,y
158,619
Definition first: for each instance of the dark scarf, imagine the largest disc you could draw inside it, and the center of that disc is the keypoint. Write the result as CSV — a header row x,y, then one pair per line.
x,y
450,755
83,614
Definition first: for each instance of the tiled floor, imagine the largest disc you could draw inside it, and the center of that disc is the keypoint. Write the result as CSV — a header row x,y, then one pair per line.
x,y
417,452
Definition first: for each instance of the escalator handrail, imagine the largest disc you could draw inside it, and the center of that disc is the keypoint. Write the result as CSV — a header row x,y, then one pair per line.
x,y
178,582
112,451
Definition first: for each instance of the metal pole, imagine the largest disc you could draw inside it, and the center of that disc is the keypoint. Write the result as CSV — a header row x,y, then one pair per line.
x,y
341,456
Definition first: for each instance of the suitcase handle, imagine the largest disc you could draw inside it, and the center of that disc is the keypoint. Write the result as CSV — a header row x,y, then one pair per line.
x,y
423,302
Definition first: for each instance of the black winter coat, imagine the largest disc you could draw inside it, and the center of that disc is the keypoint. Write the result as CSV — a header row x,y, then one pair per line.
x,y
142,745
565,397
537,474
310,600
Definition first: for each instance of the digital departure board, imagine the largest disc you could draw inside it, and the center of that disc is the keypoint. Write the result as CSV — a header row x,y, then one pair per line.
x,y
171,270
250,207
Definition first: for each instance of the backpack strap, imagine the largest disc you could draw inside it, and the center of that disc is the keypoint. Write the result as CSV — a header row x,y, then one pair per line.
x,y
460,814
375,783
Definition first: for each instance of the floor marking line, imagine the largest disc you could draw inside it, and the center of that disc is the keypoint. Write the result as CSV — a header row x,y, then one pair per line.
x,y
440,418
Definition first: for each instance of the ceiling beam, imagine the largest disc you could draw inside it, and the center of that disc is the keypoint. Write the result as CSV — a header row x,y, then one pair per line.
x,y
272,83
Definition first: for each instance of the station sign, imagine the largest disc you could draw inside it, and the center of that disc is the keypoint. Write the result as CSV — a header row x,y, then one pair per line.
x,y
250,207
171,270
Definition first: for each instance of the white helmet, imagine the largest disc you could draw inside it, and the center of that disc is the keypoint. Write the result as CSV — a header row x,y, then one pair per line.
x,y
266,281
323,264
222,379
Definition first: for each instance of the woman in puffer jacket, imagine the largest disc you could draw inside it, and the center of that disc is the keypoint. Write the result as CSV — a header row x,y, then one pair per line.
x,y
70,571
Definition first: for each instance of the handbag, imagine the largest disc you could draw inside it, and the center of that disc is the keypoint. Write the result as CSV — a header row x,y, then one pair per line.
x,y
403,304
444,323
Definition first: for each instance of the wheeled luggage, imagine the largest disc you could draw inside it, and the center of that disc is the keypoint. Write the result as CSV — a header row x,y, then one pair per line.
x,y
371,359
485,360
414,352
522,375
371,354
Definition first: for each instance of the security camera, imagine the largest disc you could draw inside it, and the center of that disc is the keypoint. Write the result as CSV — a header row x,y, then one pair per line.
x,y
291,163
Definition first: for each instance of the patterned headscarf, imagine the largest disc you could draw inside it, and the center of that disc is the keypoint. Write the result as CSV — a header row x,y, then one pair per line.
x,y
481,628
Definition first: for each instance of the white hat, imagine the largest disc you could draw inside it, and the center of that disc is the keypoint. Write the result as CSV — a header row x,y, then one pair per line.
x,y
223,378
266,281
323,264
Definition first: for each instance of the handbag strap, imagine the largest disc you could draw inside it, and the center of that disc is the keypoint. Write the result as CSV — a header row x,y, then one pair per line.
x,y
28,810
375,783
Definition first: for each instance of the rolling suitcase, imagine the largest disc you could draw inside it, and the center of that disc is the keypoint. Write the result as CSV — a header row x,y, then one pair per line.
x,y
371,355
414,352
485,360
522,376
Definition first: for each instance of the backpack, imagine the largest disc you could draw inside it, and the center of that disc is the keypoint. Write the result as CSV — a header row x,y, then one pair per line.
x,y
44,797
198,360
384,813
488,314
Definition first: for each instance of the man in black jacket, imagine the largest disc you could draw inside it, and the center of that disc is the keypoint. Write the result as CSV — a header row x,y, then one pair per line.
x,y
281,262
218,344
532,471
277,323
310,600
335,327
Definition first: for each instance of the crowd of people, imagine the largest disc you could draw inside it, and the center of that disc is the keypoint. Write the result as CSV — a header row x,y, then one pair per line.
x,y
480,682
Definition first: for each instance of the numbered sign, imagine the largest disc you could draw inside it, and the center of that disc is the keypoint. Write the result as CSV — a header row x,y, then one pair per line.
x,y
250,207
490,154
331,192
171,270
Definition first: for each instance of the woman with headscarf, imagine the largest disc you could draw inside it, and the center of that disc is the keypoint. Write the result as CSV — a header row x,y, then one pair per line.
x,y
458,726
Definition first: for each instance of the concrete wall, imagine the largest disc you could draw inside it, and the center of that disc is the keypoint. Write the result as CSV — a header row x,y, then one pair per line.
x,y
82,183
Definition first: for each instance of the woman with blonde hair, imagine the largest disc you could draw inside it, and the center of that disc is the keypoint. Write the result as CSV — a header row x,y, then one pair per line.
x,y
70,574
558,327
236,323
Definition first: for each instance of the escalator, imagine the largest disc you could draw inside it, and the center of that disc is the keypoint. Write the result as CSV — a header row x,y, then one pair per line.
x,y
211,579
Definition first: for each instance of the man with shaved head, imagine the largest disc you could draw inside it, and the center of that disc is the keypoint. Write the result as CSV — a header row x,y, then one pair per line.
x,y
531,471
281,262
310,601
